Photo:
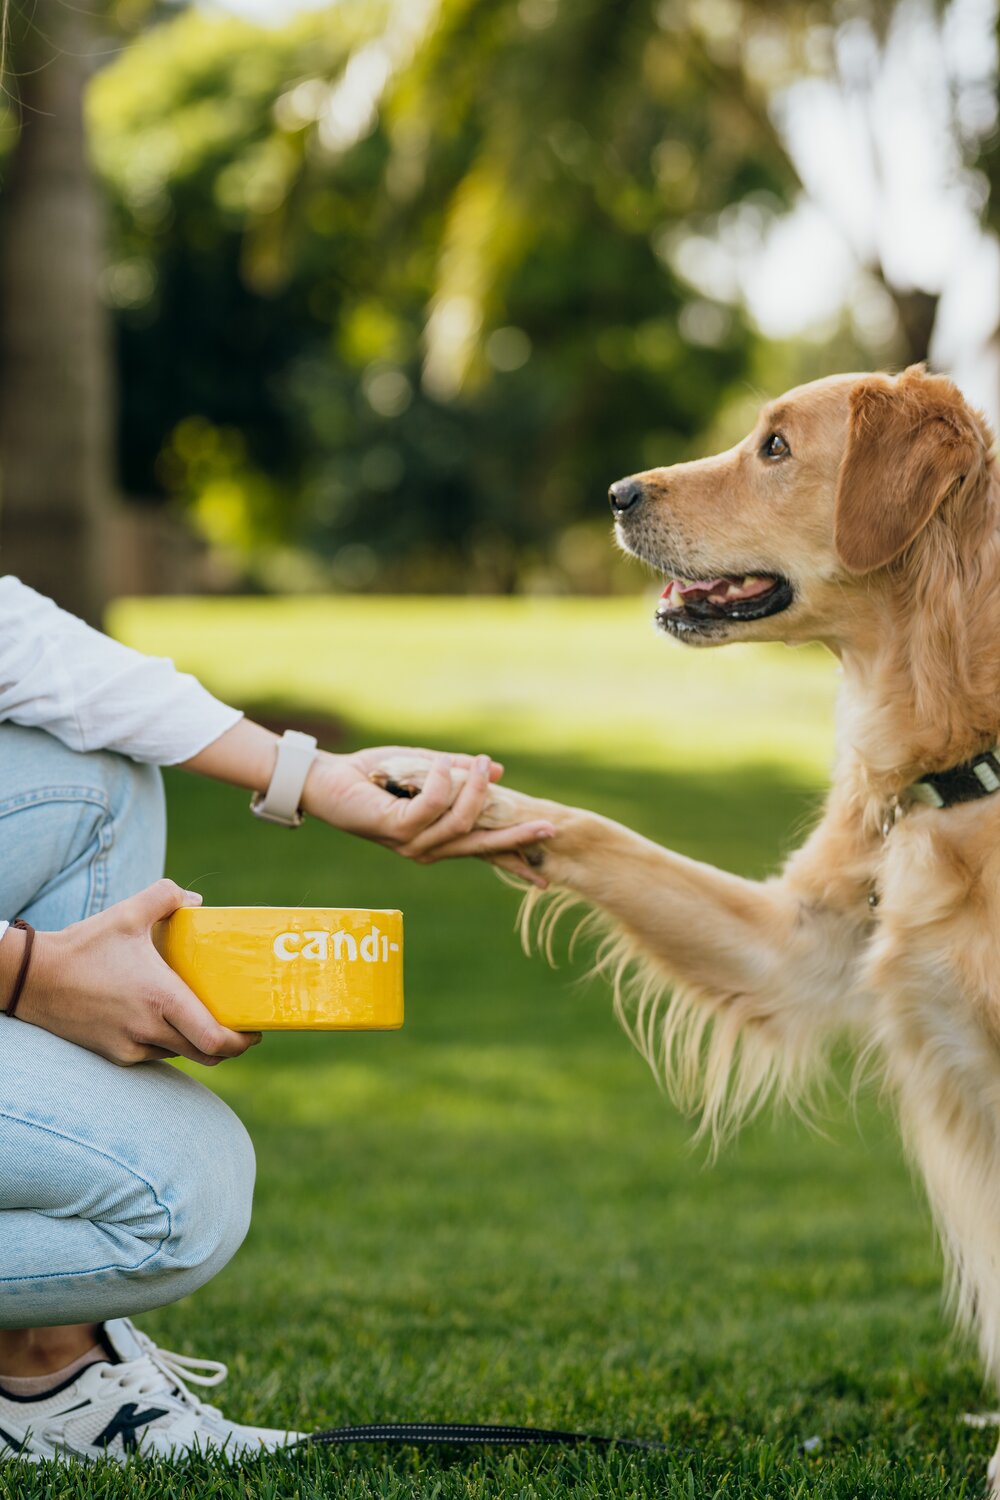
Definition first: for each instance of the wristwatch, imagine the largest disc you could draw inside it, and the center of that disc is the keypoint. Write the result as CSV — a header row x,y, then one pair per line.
x,y
280,803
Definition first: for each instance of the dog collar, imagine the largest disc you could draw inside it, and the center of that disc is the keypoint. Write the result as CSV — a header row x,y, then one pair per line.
x,y
971,779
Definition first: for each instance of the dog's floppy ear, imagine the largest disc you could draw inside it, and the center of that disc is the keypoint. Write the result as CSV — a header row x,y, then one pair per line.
x,y
910,441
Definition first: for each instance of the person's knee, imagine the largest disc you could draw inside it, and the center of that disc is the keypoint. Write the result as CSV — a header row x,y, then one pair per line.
x,y
210,1196
195,1211
136,1219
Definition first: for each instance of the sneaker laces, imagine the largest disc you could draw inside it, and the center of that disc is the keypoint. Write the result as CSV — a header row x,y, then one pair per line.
x,y
146,1375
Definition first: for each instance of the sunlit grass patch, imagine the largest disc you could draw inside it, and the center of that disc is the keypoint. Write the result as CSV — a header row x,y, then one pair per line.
x,y
494,1213
583,677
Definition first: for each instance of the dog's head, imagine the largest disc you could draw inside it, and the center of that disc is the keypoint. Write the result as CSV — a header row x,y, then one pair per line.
x,y
833,493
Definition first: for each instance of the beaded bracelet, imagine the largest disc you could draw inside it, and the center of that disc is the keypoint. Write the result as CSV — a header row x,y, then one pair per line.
x,y
22,973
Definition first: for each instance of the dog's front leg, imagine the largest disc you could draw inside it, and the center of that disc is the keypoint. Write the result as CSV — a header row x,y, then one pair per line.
x,y
763,974
702,924
772,965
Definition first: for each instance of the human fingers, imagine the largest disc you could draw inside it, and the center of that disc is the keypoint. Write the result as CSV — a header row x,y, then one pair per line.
x,y
461,817
157,901
186,1027
463,762
141,1055
163,1041
460,759
181,1047
519,839
410,816
193,1026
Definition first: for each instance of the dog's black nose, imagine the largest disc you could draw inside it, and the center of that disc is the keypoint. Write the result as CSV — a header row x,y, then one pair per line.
x,y
623,494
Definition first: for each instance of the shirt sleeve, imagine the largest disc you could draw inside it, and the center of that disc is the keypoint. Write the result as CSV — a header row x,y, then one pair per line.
x,y
93,693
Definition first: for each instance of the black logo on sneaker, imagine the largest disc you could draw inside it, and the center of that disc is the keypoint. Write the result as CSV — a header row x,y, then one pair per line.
x,y
125,1423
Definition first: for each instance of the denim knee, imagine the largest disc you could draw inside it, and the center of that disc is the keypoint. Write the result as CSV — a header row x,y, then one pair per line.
x,y
208,1191
185,1227
121,1189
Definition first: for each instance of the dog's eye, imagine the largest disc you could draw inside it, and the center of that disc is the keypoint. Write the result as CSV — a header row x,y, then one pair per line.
x,y
775,447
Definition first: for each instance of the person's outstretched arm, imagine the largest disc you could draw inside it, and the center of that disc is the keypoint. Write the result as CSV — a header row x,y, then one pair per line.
x,y
436,824
101,983
93,693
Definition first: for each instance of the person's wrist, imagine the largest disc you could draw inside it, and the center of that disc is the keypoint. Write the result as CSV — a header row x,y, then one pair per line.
x,y
12,949
319,792
46,977
263,752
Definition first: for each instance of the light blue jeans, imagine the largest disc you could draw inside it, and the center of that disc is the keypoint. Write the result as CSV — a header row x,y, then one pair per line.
x,y
120,1188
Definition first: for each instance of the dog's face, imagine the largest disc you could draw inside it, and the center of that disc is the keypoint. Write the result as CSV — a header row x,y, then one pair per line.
x,y
833,484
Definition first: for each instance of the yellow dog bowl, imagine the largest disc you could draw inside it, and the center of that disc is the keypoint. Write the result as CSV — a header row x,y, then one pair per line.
x,y
275,968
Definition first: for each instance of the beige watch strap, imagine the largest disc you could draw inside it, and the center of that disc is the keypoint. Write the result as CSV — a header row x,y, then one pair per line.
x,y
280,803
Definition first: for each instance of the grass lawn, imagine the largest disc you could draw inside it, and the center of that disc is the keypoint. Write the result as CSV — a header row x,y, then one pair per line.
x,y
493,1213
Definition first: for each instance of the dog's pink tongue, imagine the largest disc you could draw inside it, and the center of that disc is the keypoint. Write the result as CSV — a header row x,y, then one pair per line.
x,y
718,590
701,586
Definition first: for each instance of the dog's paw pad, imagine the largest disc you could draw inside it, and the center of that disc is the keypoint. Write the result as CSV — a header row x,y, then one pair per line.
x,y
403,778
390,784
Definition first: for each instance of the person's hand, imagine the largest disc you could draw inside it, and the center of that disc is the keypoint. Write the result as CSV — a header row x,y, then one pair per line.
x,y
439,823
101,984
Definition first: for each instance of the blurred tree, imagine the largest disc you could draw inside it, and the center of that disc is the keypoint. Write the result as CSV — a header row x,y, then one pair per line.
x,y
404,292
57,385
889,110
229,258
55,370
405,284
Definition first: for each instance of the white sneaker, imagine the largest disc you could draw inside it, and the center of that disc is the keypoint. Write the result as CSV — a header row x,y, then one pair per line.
x,y
140,1405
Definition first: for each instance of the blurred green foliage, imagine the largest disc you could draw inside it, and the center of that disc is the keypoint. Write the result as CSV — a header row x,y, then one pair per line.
x,y
401,286
403,294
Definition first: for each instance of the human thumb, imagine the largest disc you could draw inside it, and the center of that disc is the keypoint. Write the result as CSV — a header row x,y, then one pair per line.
x,y
159,900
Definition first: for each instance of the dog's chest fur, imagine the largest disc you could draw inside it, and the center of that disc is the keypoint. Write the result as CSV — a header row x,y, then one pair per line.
x,y
933,960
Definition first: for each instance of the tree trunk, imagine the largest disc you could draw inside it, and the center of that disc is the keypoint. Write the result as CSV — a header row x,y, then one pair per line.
x,y
917,312
55,348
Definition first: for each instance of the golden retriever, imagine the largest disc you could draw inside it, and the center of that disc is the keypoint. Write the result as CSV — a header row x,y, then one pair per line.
x,y
862,511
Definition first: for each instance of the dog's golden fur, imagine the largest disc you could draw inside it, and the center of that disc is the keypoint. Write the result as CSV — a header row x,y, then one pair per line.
x,y
884,517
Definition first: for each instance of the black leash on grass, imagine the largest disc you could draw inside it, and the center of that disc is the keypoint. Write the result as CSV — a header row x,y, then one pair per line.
x,y
468,1434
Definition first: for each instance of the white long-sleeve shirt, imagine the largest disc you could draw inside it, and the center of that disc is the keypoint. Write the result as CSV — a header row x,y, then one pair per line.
x,y
93,693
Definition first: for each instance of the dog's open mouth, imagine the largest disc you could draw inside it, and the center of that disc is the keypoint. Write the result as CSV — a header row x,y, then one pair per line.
x,y
687,603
